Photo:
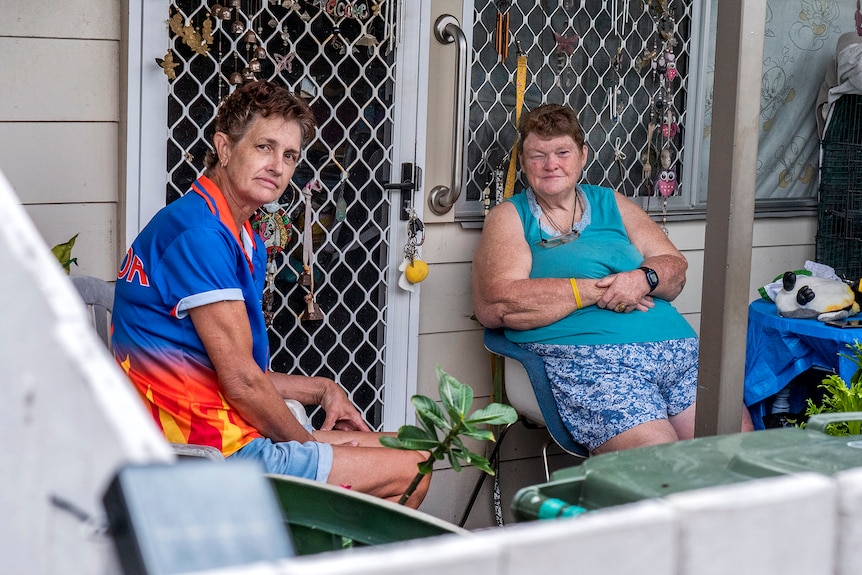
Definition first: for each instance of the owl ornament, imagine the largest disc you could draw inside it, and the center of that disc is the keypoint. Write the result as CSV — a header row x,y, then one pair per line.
x,y
665,182
670,66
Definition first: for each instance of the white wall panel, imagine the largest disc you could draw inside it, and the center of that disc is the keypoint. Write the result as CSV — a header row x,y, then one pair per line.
x,y
784,231
78,161
447,243
67,19
461,354
447,299
96,227
59,80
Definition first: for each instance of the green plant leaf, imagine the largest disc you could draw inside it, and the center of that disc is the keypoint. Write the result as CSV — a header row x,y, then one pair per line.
x,y
457,397
430,414
839,398
63,253
480,462
426,467
412,438
494,414
453,461
480,434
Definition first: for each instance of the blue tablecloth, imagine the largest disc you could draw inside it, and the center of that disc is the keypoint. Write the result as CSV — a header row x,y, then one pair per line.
x,y
779,348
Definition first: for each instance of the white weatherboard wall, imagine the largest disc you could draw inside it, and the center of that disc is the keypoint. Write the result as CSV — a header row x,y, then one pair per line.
x,y
70,413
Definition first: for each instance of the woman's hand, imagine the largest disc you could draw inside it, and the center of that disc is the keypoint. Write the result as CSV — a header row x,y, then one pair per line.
x,y
625,292
341,414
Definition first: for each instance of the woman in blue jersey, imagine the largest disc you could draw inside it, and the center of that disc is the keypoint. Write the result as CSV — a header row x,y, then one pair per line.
x,y
188,327
583,277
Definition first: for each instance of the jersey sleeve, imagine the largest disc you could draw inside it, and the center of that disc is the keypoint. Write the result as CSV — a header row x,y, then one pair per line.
x,y
199,267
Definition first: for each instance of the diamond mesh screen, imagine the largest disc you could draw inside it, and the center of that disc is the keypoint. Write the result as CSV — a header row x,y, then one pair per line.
x,y
571,47
339,56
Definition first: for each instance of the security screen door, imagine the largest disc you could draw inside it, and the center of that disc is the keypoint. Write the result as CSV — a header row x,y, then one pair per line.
x,y
333,282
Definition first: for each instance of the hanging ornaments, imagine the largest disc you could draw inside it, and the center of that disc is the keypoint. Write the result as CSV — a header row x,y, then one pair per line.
x,y
413,269
666,180
272,224
611,83
338,194
566,44
168,64
284,63
501,28
312,311
647,155
661,179
190,35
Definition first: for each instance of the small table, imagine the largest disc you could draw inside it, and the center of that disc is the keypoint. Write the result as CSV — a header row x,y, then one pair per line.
x,y
779,348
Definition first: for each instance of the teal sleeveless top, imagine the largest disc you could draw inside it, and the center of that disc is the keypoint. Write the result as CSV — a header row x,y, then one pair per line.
x,y
603,248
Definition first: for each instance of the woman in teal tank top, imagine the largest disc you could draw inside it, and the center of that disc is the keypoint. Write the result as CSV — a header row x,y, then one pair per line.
x,y
583,277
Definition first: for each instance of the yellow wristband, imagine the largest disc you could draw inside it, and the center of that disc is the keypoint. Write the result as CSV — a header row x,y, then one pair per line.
x,y
576,292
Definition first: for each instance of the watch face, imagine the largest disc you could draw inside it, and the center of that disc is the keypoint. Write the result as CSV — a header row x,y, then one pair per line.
x,y
652,278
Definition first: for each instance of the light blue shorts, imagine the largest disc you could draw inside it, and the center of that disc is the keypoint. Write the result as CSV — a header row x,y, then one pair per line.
x,y
310,460
603,390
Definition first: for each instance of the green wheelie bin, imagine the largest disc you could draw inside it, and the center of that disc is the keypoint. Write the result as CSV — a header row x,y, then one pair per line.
x,y
655,471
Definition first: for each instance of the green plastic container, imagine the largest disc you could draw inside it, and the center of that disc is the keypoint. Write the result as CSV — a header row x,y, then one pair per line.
x,y
655,471
323,517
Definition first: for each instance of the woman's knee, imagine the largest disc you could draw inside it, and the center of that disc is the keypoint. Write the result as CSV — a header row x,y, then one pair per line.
x,y
648,433
385,473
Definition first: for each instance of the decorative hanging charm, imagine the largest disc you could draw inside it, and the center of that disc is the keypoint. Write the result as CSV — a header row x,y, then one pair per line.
x,y
334,39
647,156
284,62
501,28
190,36
567,44
272,224
413,269
619,158
168,65
666,182
312,310
611,82
669,127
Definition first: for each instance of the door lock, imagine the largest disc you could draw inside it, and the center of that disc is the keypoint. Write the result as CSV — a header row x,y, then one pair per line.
x,y
411,179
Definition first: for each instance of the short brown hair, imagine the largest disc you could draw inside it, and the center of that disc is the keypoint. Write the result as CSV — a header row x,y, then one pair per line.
x,y
551,121
260,98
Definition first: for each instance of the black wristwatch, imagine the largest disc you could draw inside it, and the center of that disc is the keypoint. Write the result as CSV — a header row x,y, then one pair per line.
x,y
651,278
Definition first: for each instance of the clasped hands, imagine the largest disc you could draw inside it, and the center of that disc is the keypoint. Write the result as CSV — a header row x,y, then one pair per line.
x,y
624,292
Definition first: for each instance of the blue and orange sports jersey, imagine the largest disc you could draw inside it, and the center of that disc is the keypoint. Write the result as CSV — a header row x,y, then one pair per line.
x,y
189,255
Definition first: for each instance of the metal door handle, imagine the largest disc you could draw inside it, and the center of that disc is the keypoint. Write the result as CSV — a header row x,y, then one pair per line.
x,y
442,198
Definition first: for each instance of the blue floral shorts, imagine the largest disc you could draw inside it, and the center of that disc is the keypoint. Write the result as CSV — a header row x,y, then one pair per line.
x,y
603,390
